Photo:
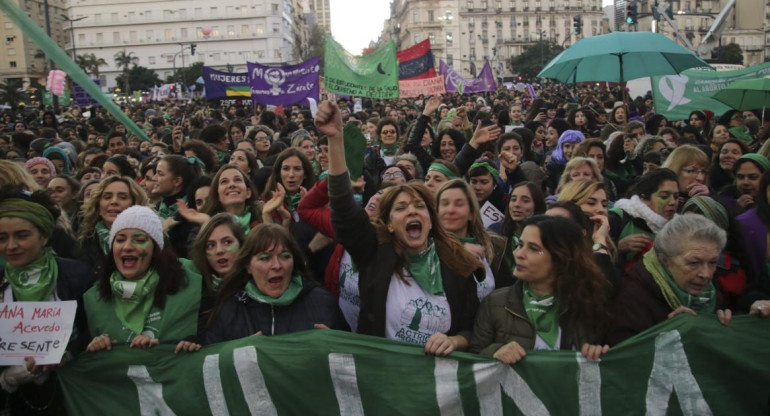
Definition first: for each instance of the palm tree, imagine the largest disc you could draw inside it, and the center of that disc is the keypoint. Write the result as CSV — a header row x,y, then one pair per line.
x,y
90,64
125,60
12,92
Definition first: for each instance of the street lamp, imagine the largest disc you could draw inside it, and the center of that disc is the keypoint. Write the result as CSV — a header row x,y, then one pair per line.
x,y
72,31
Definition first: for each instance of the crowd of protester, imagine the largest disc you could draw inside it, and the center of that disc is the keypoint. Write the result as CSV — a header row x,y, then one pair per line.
x,y
493,223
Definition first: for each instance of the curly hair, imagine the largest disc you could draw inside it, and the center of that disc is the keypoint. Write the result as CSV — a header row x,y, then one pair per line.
x,y
90,209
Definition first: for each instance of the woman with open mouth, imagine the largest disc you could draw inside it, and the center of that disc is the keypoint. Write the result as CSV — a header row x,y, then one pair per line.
x,y
213,253
112,196
32,272
416,282
145,295
173,177
540,311
267,291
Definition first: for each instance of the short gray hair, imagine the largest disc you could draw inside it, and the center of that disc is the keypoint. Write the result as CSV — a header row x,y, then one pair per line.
x,y
418,172
674,236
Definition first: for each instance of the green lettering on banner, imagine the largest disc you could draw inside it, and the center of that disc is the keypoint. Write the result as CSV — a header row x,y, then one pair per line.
x,y
676,96
694,362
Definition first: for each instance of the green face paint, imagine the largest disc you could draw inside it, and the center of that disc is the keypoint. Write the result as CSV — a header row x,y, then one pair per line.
x,y
141,241
664,198
233,247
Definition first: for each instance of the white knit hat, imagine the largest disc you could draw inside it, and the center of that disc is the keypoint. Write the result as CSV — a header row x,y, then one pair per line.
x,y
142,218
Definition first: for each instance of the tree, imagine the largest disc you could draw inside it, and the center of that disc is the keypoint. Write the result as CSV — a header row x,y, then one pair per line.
x,y
729,54
125,60
12,92
189,74
90,64
140,78
534,57
315,45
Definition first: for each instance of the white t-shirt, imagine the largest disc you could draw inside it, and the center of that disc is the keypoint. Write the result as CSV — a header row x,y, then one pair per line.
x,y
350,298
412,314
483,289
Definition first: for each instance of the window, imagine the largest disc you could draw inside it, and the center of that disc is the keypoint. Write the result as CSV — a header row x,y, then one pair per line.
x,y
198,12
260,29
131,16
81,38
9,39
245,30
168,14
182,14
183,33
277,54
430,16
114,17
260,54
215,56
230,30
432,38
274,8
449,38
116,37
168,33
450,60
12,64
11,51
213,12
416,38
148,15
215,31
8,25
99,38
148,34
415,17
276,28
132,36
98,17
152,60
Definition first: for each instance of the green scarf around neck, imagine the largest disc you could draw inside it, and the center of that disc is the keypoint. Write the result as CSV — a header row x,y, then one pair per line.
x,y
469,238
543,312
36,281
672,293
245,221
292,200
425,268
389,149
133,299
286,298
103,234
167,211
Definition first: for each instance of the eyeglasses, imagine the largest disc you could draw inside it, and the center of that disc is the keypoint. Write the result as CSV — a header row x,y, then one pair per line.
x,y
262,139
392,175
695,172
388,132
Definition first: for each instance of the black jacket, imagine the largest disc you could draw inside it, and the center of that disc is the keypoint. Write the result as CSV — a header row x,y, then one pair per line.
x,y
241,316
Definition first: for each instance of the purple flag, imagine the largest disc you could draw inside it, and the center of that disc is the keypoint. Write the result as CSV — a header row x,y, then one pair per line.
x,y
286,85
456,83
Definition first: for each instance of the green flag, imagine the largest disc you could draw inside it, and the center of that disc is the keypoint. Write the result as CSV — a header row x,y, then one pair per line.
x,y
374,75
688,365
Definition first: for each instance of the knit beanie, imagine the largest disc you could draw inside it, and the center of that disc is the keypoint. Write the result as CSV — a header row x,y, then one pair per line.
x,y
49,152
761,161
40,161
141,218
710,208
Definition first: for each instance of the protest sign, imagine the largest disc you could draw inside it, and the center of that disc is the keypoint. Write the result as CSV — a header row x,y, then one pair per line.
x,y
490,214
374,75
285,85
689,365
456,83
40,330
425,86
220,84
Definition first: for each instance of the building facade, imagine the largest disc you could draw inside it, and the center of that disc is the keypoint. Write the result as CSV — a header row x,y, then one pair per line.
x,y
747,24
20,58
465,33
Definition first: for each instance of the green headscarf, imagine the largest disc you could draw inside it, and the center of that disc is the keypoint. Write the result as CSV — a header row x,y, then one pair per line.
x,y
286,298
672,293
35,281
758,159
133,299
438,167
33,212
488,166
425,268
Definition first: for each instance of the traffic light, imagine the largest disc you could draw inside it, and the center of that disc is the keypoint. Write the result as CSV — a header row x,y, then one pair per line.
x,y
631,16
577,25
192,48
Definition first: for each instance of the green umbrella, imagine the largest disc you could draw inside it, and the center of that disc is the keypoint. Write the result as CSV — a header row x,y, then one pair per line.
x,y
746,94
620,56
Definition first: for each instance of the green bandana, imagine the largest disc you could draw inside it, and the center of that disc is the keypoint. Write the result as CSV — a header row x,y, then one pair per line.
x,y
216,281
167,211
544,314
674,295
425,268
758,159
287,297
245,221
741,133
389,149
33,212
488,166
438,167
36,281
104,236
133,299
515,242
293,201
468,239
223,157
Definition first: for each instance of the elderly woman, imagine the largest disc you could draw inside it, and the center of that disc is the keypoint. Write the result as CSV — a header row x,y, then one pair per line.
x,y
112,196
673,278
32,272
691,165
144,295
268,291
415,279
542,310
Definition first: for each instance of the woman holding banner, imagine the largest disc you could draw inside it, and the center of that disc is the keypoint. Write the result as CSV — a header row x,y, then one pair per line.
x,y
34,273
415,280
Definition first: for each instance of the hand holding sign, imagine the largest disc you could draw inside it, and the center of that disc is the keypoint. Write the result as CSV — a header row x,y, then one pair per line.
x,y
35,334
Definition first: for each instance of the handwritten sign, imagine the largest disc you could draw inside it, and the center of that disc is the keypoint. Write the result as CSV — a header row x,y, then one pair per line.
x,y
490,214
425,86
40,330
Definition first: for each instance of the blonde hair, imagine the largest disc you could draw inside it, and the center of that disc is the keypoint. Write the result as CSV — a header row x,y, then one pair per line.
x,y
12,174
579,191
90,209
575,163
685,155
475,225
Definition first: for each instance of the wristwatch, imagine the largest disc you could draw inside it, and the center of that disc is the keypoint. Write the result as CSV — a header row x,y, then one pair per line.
x,y
599,246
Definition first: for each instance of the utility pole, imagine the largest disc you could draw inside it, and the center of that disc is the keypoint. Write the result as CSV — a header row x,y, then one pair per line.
x,y
51,64
72,32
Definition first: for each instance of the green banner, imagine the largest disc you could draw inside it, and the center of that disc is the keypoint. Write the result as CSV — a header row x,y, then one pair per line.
x,y
374,75
676,96
66,64
688,365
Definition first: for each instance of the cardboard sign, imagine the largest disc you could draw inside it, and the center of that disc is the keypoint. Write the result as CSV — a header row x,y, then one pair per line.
x,y
40,330
426,86
490,214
